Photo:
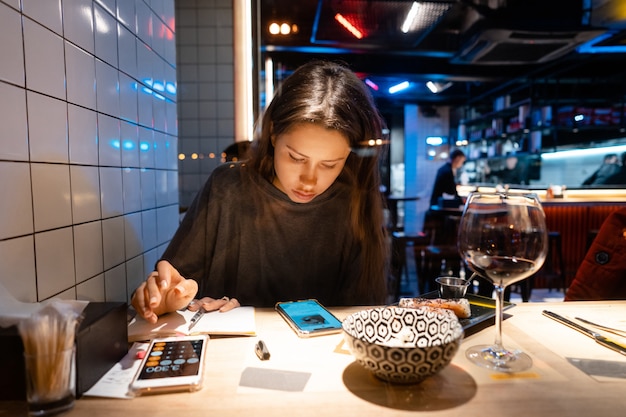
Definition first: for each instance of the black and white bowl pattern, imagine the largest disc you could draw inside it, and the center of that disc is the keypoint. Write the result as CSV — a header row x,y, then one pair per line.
x,y
403,345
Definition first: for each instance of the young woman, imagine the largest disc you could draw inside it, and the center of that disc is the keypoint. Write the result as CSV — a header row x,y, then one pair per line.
x,y
302,218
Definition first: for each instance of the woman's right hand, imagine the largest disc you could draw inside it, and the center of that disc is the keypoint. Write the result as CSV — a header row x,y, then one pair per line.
x,y
164,291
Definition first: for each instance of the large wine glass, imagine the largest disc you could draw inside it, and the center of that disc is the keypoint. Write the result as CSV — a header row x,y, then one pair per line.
x,y
503,238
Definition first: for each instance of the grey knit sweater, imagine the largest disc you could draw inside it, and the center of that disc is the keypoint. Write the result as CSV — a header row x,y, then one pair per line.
x,y
244,238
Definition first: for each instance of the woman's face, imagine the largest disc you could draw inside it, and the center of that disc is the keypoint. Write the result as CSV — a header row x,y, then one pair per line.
x,y
307,160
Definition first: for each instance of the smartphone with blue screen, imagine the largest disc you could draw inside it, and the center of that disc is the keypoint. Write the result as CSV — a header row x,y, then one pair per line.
x,y
308,318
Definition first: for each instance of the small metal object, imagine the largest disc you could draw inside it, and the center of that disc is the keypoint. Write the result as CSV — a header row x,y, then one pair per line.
x,y
604,341
261,350
605,328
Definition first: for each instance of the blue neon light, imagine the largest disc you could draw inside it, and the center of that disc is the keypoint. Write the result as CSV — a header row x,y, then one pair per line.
x,y
399,87
590,47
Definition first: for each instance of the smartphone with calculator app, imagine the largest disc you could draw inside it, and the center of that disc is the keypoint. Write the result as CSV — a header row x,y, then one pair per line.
x,y
171,364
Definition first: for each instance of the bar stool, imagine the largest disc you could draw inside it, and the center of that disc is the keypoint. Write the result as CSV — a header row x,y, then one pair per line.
x,y
553,268
440,256
556,260
432,261
399,266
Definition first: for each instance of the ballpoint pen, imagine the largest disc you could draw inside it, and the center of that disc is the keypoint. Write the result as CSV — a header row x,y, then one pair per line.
x,y
196,317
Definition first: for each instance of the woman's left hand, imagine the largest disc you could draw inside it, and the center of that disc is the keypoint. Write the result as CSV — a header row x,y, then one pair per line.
x,y
211,304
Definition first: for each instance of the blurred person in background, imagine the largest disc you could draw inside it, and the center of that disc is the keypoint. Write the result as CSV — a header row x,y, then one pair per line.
x,y
618,178
513,172
445,182
609,167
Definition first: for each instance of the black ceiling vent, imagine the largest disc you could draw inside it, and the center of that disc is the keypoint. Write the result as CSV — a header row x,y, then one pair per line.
x,y
518,47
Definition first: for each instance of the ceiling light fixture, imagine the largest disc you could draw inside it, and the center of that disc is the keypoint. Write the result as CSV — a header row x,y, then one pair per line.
x,y
408,22
399,87
371,84
436,87
342,20
276,28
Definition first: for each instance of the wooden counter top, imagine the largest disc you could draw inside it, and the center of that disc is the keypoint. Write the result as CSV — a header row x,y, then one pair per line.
x,y
569,196
339,386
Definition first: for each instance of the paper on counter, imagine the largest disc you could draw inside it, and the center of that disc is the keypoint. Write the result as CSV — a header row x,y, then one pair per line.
x,y
12,311
115,383
312,360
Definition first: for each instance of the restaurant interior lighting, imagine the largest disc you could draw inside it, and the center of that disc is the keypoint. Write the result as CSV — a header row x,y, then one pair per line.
x,y
399,87
284,28
618,149
410,17
371,84
596,46
349,26
274,28
436,87
434,140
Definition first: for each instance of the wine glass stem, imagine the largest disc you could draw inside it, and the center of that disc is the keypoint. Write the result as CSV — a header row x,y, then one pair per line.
x,y
499,316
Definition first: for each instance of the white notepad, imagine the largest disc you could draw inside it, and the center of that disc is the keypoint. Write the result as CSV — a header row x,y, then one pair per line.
x,y
236,322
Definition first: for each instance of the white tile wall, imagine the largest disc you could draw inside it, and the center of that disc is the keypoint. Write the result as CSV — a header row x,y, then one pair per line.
x,y
111,192
112,241
52,203
109,145
132,189
45,65
47,129
11,48
149,227
78,23
18,267
13,134
85,183
88,249
80,69
83,135
132,235
205,84
115,283
77,140
92,289
107,89
105,29
54,251
17,211
47,13
129,144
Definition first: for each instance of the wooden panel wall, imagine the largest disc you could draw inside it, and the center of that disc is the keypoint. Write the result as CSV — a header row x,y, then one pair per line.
x,y
575,222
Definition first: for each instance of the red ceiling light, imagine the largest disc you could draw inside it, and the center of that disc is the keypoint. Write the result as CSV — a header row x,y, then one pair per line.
x,y
349,26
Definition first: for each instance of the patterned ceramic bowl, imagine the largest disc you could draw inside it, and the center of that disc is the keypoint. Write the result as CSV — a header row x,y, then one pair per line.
x,y
403,345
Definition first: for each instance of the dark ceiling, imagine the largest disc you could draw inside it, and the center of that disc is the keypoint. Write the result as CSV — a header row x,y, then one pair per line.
x,y
484,48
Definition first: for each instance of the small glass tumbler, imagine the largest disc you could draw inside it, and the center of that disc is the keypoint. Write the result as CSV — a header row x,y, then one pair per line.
x,y
452,287
50,382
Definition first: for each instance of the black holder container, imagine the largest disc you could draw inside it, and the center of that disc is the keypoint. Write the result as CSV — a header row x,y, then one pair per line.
x,y
101,341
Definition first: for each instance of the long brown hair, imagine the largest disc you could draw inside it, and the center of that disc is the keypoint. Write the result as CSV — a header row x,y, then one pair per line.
x,y
330,95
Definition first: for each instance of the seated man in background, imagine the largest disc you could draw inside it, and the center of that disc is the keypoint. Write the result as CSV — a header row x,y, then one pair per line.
x,y
609,167
618,178
602,274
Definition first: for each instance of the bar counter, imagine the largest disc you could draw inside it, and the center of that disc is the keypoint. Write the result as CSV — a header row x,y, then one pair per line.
x,y
338,385
577,215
